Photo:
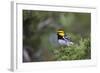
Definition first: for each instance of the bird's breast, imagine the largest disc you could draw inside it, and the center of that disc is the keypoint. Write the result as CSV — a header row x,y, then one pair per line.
x,y
65,42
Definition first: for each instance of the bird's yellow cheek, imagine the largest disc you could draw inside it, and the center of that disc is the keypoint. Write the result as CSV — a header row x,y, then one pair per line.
x,y
61,34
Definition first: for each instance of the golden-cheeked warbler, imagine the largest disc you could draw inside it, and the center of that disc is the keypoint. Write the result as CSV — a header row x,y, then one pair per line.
x,y
63,39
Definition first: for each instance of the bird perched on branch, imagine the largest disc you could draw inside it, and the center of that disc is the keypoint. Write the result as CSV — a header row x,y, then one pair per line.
x,y
63,39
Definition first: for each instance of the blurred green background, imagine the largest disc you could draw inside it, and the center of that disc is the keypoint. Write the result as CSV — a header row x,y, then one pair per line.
x,y
40,35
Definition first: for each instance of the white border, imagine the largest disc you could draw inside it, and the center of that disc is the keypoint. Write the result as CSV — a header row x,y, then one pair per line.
x,y
17,37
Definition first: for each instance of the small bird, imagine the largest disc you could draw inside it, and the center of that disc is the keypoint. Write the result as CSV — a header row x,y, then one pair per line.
x,y
63,39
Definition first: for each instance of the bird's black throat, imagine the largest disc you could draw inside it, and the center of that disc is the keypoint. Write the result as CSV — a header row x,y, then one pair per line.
x,y
60,37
